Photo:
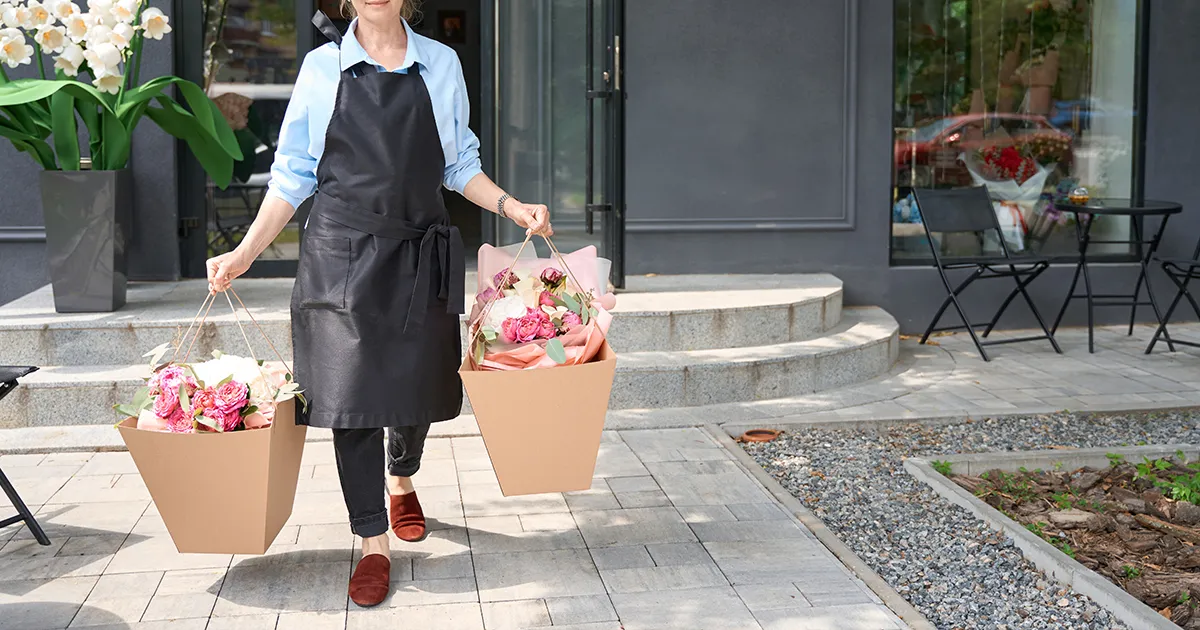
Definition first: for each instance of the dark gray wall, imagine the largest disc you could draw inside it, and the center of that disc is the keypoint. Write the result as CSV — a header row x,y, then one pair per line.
x,y
759,141
153,164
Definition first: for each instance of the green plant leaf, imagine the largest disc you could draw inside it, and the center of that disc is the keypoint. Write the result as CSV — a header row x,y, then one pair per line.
x,y
488,333
571,303
30,91
555,350
157,353
117,142
210,117
141,399
176,121
128,411
65,131
585,316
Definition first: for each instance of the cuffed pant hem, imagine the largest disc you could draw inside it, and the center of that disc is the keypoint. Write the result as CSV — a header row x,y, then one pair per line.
x,y
404,469
370,526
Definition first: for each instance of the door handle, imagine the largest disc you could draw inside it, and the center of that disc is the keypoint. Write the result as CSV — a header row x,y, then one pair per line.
x,y
617,64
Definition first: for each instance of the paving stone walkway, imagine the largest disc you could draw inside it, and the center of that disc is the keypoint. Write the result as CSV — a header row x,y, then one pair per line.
x,y
673,534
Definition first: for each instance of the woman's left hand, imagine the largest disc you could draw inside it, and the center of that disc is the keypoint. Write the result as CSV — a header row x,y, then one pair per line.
x,y
535,218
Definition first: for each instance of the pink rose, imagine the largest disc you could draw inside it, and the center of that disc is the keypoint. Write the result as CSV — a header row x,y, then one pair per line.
x,y
545,298
167,403
570,319
230,398
498,279
527,328
552,277
204,399
179,422
256,420
548,331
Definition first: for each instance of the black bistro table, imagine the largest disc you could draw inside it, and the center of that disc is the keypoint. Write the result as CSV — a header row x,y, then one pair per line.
x,y
1137,210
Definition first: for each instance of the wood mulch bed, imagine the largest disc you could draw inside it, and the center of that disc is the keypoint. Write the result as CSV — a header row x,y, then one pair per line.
x,y
1135,523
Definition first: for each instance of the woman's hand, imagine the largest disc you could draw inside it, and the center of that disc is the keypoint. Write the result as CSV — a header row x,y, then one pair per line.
x,y
535,218
223,269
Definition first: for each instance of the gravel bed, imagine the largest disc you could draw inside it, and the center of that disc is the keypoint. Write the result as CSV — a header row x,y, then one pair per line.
x,y
949,564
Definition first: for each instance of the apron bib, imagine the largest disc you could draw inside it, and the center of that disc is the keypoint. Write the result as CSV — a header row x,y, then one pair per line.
x,y
379,287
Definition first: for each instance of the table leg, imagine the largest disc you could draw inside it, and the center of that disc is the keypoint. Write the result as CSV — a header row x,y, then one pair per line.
x,y
1137,287
1074,281
1085,240
1145,261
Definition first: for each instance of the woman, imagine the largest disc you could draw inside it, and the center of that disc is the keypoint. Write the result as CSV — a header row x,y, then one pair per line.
x,y
376,125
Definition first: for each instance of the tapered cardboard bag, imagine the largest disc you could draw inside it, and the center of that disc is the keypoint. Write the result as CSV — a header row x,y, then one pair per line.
x,y
221,492
542,427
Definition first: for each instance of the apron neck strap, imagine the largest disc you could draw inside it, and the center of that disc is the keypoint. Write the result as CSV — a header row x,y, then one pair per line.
x,y
325,25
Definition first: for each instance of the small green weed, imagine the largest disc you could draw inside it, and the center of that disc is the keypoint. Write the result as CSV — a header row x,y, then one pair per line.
x,y
1115,459
942,467
1131,572
1067,549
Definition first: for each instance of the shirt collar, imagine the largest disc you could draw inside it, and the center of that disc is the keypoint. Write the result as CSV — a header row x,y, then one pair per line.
x,y
353,52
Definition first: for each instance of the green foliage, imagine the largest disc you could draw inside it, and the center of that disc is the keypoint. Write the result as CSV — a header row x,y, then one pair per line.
x,y
943,467
1131,572
555,350
1115,459
1066,548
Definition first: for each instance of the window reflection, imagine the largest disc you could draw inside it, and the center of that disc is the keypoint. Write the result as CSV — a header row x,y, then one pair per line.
x,y
1029,98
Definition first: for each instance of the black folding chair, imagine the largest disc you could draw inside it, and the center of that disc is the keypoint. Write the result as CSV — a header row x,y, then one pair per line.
x,y
1181,271
8,382
969,210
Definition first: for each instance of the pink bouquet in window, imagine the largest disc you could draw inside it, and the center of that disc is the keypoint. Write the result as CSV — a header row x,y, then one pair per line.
x,y
534,313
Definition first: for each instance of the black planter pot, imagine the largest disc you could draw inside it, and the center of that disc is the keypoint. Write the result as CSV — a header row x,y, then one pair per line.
x,y
88,215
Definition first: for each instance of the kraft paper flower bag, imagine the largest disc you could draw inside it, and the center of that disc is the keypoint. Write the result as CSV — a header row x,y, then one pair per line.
x,y
539,370
217,444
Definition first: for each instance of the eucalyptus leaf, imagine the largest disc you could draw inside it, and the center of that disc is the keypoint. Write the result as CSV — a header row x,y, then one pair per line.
x,y
555,350
210,423
585,316
184,401
157,354
571,303
128,411
141,399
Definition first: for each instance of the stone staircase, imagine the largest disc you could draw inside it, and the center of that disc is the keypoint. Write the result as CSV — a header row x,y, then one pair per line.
x,y
683,341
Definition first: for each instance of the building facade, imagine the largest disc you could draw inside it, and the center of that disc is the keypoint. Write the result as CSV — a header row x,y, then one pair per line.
x,y
769,136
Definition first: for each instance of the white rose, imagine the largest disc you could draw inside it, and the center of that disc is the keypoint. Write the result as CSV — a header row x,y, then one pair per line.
x,y
70,60
52,38
505,308
155,23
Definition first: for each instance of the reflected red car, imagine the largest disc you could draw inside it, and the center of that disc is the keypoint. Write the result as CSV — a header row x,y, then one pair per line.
x,y
932,149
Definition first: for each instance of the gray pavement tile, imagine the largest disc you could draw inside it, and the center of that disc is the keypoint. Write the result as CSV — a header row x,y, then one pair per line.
x,y
547,522
429,593
665,445
598,625
43,604
859,617
651,498
104,545
319,508
706,513
687,468
565,611
506,536
473,477
718,489
185,594
739,531
632,484
515,615
781,561
443,567
120,463
615,459
141,554
18,566
662,578
622,557
640,526
88,519
266,621
536,574
333,620
177,624
761,597
487,500
678,554
122,597
699,609
261,588
759,512
101,489
438,472
460,616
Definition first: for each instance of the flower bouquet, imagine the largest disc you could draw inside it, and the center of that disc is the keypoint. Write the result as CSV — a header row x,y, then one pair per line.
x,y
229,415
539,327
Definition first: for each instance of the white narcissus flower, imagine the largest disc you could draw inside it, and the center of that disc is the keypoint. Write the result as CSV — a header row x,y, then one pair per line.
x,y
52,39
39,16
13,49
70,60
103,59
77,26
64,9
122,35
110,83
125,10
155,23
15,16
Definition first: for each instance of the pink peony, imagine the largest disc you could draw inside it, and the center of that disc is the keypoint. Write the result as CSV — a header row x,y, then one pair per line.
x,y
171,377
167,403
535,324
498,280
548,331
552,277
230,398
546,299
571,319
205,399
179,422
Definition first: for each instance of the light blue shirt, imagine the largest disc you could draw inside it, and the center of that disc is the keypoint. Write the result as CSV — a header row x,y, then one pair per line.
x,y
302,136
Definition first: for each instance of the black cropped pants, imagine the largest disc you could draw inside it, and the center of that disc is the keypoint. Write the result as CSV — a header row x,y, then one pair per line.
x,y
362,458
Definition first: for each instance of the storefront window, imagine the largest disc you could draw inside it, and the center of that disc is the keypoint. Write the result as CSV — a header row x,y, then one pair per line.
x,y
1030,98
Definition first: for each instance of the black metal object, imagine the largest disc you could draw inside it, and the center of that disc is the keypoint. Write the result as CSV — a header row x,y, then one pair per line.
x,y
969,210
611,99
1138,210
8,382
1181,271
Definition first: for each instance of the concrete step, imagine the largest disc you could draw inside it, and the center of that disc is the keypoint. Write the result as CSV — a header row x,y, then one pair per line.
x,y
863,347
668,313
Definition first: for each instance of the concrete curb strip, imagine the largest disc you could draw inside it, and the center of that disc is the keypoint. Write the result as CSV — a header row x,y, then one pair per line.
x,y
909,614
1042,554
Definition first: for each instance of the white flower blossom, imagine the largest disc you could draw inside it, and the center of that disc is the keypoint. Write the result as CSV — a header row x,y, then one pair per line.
x,y
125,10
103,59
52,39
64,9
110,83
155,23
122,35
98,34
70,60
505,308
77,26
39,16
13,49
15,16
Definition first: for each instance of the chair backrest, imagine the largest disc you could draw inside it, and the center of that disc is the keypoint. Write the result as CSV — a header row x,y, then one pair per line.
x,y
960,210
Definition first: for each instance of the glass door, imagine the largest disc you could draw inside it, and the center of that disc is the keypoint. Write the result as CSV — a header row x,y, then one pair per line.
x,y
558,126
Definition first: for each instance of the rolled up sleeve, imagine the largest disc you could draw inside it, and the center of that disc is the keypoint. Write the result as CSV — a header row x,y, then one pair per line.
x,y
294,171
467,164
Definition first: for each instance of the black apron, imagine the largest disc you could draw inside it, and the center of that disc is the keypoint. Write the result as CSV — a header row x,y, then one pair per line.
x,y
379,288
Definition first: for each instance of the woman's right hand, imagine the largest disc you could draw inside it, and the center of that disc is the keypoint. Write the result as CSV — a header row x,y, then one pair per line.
x,y
223,269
